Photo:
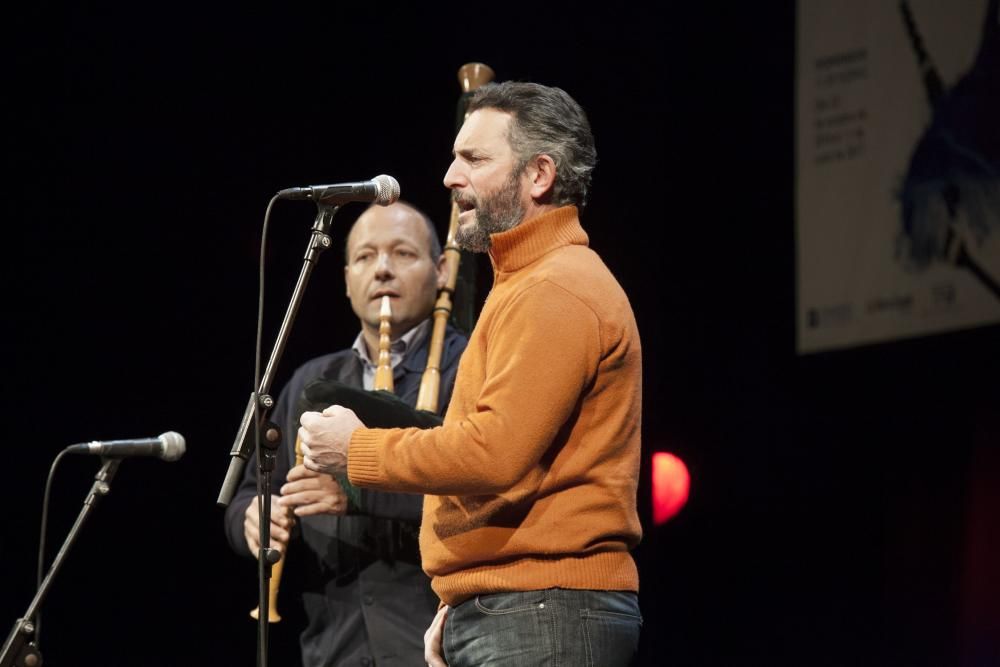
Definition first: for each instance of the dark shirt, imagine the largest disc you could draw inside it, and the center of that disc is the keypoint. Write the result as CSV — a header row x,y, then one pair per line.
x,y
365,595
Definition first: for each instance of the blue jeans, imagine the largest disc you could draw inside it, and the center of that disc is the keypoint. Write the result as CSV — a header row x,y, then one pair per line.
x,y
555,627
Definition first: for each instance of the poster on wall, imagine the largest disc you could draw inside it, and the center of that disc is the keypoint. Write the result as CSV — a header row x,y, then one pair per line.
x,y
897,169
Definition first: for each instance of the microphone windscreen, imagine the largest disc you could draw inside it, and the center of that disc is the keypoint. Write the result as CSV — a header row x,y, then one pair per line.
x,y
173,445
388,190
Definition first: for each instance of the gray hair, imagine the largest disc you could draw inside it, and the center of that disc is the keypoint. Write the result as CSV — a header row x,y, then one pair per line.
x,y
546,121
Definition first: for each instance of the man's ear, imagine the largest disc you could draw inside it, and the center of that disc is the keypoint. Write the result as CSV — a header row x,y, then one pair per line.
x,y
347,284
542,172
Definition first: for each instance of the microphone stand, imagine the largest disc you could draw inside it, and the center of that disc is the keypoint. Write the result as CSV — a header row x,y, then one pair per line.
x,y
257,410
19,649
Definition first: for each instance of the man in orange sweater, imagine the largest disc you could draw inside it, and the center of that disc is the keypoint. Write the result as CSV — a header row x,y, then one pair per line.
x,y
530,483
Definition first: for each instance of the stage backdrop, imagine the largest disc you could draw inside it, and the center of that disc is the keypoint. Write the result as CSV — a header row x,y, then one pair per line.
x,y
897,169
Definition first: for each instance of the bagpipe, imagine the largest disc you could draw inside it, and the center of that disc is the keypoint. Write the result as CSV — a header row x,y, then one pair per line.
x,y
380,407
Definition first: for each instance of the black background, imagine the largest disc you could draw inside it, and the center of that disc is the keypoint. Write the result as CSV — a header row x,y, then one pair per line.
x,y
843,507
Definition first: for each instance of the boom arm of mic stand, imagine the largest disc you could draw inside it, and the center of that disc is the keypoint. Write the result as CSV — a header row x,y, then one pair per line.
x,y
244,443
18,649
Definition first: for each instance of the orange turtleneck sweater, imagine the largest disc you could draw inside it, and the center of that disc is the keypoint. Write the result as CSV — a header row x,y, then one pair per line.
x,y
531,480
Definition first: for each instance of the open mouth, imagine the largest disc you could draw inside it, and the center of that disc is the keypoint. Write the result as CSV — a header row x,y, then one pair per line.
x,y
465,205
378,294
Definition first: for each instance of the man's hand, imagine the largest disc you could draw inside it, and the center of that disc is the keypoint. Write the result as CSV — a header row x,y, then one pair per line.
x,y
281,526
433,651
307,493
326,437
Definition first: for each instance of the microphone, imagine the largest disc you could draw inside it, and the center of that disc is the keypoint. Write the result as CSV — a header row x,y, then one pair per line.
x,y
168,446
382,190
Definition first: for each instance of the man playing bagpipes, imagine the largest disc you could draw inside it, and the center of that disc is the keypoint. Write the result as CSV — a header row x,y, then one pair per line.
x,y
356,562
531,481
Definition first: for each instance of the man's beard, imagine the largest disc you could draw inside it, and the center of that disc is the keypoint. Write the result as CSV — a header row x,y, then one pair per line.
x,y
495,212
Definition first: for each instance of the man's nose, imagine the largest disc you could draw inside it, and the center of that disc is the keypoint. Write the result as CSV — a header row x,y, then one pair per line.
x,y
383,266
454,178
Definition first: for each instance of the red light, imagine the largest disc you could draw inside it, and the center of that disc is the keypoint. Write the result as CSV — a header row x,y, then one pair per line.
x,y
671,484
